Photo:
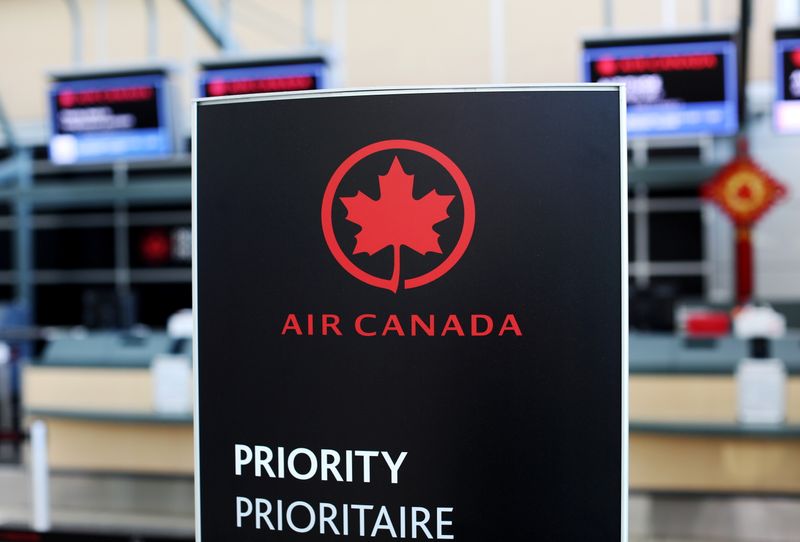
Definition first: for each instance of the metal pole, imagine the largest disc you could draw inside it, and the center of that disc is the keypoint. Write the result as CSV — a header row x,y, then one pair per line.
x,y
122,266
209,22
608,14
744,48
226,20
152,29
101,31
705,12
77,31
6,406
497,36
642,225
8,131
339,40
40,477
669,13
309,13
23,236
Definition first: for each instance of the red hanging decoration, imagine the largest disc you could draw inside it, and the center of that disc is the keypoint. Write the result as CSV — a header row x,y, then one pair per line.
x,y
744,191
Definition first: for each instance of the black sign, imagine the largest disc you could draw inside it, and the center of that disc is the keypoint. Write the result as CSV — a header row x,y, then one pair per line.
x,y
685,78
787,51
786,110
675,84
99,117
113,108
411,315
107,102
20,535
230,77
791,79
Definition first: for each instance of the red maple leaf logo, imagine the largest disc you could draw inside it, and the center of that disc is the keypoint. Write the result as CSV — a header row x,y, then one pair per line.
x,y
396,218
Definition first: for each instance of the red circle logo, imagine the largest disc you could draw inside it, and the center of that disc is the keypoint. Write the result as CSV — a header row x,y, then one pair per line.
x,y
66,98
796,58
396,219
606,66
217,87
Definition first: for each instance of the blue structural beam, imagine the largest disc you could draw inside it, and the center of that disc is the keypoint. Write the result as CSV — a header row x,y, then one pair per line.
x,y
211,24
19,167
9,170
8,132
23,233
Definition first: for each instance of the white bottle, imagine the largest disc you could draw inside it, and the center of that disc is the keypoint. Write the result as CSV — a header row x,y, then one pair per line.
x,y
760,379
172,372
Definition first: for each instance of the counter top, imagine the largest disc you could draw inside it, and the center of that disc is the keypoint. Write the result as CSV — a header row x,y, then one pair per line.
x,y
110,416
653,353
722,429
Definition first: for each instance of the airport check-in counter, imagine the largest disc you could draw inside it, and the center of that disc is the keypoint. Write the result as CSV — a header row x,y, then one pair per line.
x,y
98,395
684,431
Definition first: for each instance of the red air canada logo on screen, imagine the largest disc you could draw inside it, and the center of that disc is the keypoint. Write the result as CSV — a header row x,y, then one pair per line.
x,y
394,218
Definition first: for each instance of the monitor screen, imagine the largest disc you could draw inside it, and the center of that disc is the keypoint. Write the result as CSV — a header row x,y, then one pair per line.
x,y
676,85
786,111
257,76
110,117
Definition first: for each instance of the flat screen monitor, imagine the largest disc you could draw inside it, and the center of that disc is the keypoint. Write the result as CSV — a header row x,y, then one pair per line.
x,y
108,117
255,76
786,110
676,85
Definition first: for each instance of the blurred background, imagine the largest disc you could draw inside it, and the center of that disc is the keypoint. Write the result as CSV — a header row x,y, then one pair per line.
x,y
95,233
